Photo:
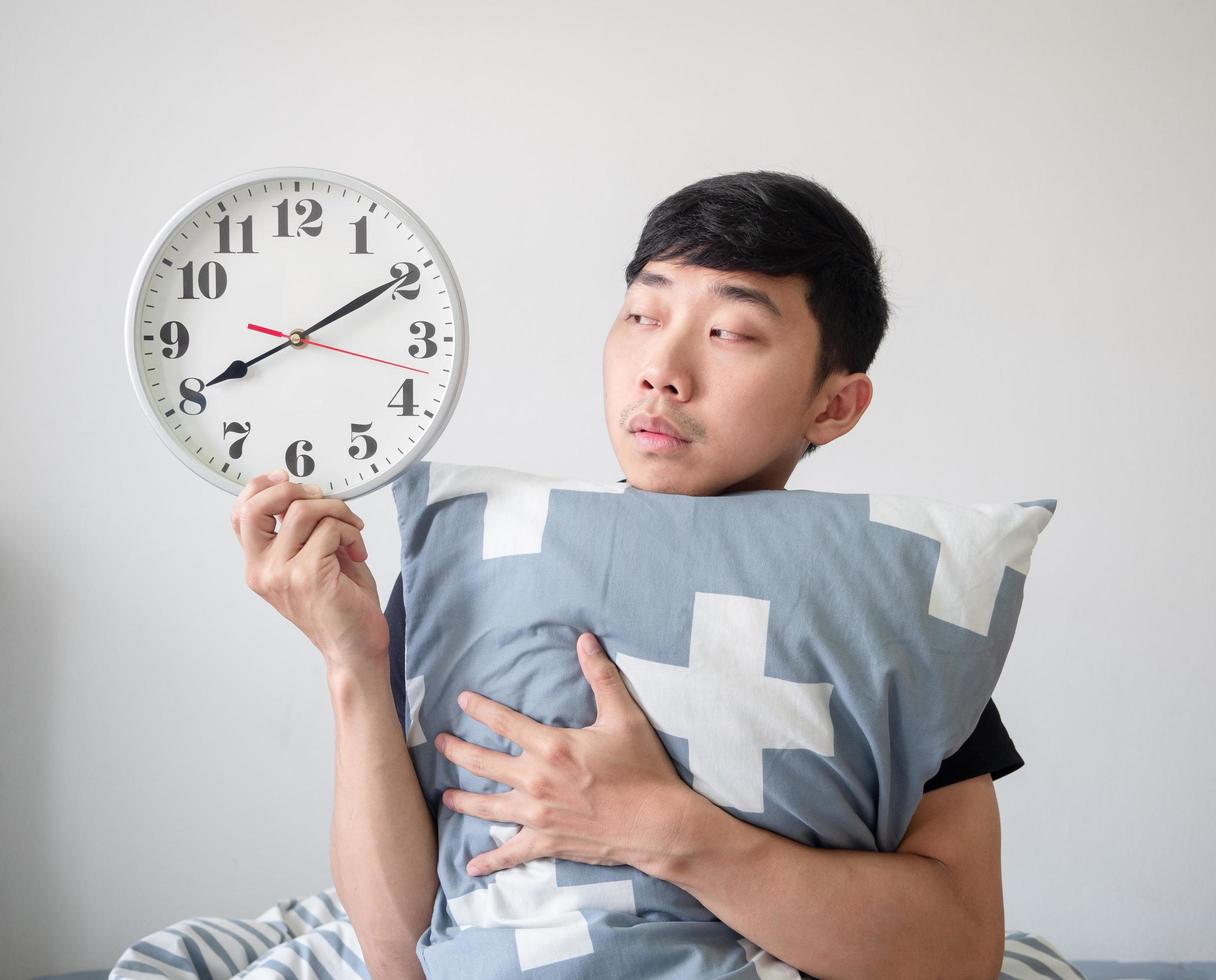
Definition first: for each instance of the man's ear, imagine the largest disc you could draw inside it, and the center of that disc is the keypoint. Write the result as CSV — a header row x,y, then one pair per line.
x,y
841,402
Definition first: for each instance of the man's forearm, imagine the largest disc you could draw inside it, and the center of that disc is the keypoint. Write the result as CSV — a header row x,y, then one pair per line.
x,y
383,848
834,914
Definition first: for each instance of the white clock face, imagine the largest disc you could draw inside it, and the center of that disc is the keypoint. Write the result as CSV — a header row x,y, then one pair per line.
x,y
279,253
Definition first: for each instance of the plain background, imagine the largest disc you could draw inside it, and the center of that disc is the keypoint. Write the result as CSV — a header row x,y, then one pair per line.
x,y
1038,177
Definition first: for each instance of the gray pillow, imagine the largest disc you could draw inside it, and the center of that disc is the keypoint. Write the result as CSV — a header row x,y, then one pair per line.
x,y
807,659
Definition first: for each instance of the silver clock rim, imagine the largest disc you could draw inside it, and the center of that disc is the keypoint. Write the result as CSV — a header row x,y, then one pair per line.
x,y
143,273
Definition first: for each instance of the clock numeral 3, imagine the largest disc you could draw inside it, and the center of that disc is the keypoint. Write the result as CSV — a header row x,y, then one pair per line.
x,y
358,431
212,280
299,463
235,450
429,347
191,396
311,225
174,332
406,391
246,226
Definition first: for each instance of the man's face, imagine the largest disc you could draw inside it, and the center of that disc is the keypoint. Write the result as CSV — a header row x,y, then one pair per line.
x,y
744,406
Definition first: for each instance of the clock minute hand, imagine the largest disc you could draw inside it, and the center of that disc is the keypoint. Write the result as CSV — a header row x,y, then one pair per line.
x,y
238,368
353,305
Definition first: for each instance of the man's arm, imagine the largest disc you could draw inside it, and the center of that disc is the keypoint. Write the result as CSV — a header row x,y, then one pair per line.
x,y
933,908
383,847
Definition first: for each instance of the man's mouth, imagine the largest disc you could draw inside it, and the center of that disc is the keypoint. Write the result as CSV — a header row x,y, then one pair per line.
x,y
657,441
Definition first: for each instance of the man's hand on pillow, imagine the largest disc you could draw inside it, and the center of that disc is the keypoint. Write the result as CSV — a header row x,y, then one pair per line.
x,y
606,794
313,569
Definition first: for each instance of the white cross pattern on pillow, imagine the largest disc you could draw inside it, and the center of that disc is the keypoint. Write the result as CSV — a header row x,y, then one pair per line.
x,y
415,691
517,506
726,666
969,574
548,925
766,965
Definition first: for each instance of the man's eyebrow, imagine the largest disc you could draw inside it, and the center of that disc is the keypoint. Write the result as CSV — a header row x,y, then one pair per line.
x,y
730,291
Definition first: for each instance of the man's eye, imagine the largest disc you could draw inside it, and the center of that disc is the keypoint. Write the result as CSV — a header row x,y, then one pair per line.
x,y
639,317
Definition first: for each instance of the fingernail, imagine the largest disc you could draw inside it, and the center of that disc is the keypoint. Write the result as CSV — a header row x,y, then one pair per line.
x,y
278,476
312,490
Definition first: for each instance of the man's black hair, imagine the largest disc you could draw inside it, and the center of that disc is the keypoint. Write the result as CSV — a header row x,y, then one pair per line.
x,y
780,224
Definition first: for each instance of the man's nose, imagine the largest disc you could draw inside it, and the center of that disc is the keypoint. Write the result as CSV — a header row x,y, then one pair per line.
x,y
668,363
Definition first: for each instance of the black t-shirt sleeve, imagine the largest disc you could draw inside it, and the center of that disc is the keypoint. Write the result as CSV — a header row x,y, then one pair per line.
x,y
987,749
394,612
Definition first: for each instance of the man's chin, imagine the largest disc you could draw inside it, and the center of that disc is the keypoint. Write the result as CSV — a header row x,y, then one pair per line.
x,y
666,476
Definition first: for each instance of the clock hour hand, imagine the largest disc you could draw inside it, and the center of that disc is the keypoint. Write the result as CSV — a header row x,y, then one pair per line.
x,y
238,369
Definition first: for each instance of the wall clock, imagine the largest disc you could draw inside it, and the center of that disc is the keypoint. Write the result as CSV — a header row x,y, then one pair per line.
x,y
297,318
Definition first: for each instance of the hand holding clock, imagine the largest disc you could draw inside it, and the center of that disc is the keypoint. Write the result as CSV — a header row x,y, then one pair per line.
x,y
314,569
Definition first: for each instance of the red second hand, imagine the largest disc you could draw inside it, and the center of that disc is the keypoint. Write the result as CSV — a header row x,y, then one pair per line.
x,y
317,343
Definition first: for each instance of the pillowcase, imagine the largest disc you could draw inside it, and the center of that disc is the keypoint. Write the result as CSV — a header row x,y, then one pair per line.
x,y
807,659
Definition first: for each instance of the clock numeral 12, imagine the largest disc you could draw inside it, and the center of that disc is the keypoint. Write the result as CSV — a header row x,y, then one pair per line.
x,y
307,205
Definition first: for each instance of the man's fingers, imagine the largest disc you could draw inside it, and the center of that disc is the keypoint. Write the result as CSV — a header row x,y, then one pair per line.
x,y
303,516
256,516
254,485
330,534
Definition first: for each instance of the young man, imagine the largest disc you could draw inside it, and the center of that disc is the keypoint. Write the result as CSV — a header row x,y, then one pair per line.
x,y
754,305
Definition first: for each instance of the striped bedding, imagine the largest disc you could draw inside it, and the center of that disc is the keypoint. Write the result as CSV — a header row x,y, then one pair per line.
x,y
307,938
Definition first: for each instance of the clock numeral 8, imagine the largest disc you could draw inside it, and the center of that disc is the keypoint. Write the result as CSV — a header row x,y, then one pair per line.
x,y
357,432
191,396
299,463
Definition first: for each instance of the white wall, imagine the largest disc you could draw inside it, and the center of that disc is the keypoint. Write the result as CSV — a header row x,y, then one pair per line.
x,y
1039,179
